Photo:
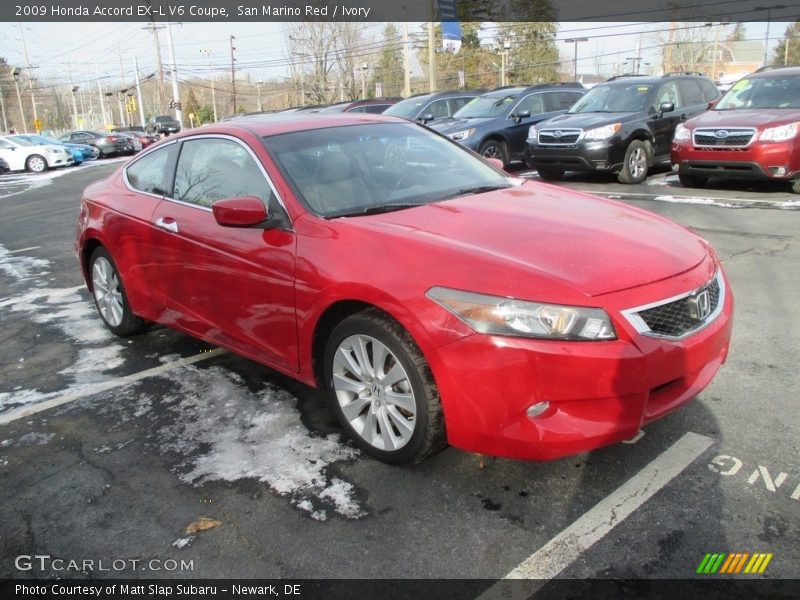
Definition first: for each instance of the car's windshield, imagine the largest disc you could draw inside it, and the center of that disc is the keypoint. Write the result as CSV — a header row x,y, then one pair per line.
x,y
358,169
763,92
407,109
24,141
618,97
490,105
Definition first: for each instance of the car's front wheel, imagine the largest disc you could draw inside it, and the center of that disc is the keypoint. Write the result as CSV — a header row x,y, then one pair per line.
x,y
795,185
36,163
382,389
636,163
109,295
494,149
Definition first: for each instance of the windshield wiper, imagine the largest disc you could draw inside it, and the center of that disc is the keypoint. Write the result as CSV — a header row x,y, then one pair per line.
x,y
478,189
377,209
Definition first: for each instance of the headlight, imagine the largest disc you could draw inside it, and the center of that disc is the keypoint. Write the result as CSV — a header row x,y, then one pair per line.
x,y
682,133
508,316
779,134
459,136
532,132
602,133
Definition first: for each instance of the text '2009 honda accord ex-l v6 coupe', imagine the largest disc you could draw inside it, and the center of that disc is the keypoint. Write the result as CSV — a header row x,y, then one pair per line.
x,y
434,298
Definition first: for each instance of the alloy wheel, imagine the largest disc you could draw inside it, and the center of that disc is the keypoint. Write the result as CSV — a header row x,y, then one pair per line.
x,y
107,291
637,163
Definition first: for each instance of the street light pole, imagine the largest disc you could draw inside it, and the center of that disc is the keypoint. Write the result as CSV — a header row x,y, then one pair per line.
x,y
769,10
259,83
207,52
364,68
15,71
575,60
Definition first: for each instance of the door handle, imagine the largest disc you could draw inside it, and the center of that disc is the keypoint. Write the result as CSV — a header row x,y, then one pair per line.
x,y
167,224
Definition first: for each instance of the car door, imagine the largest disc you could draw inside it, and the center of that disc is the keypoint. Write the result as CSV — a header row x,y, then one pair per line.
x,y
692,98
13,155
231,285
663,125
517,129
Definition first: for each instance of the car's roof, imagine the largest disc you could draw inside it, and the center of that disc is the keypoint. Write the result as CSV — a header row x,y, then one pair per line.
x,y
278,123
775,72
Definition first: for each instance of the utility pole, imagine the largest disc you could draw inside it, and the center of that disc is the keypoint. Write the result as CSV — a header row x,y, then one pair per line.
x,y
138,91
175,93
233,74
30,74
406,63
575,59
3,107
364,68
207,52
154,30
100,94
124,88
259,83
431,56
15,71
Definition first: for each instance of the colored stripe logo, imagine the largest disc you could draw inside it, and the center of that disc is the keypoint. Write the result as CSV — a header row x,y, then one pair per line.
x,y
734,563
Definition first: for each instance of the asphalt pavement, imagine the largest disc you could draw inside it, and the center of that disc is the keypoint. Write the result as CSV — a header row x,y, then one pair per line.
x,y
147,435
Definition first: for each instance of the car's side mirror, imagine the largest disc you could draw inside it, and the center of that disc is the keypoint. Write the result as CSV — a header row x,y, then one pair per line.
x,y
244,211
521,115
427,118
666,107
712,103
495,162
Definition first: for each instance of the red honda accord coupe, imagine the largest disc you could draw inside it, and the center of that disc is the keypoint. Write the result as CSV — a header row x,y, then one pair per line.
x,y
434,298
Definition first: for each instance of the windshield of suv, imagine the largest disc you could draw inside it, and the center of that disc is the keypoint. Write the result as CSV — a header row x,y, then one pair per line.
x,y
407,109
490,105
763,92
362,169
618,97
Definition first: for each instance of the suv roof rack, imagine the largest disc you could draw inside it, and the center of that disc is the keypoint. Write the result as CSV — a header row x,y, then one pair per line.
x,y
625,76
673,73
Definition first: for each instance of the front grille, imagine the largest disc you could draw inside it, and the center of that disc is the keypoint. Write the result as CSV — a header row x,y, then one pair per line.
x,y
725,138
561,137
682,316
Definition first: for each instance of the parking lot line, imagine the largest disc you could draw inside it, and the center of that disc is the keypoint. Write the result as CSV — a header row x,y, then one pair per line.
x,y
557,554
26,411
24,249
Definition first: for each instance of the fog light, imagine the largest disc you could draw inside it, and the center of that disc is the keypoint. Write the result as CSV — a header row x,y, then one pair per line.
x,y
778,171
599,164
535,410
675,168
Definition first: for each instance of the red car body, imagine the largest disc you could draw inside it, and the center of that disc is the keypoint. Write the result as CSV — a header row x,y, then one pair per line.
x,y
271,294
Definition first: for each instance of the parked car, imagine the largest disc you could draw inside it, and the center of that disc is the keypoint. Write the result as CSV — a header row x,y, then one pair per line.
x,y
751,133
25,155
164,125
623,126
80,152
136,144
447,303
373,106
495,124
107,144
429,107
4,168
145,139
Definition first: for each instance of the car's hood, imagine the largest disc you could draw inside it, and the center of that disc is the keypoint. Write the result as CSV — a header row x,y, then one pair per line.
x,y
751,117
591,245
588,120
451,125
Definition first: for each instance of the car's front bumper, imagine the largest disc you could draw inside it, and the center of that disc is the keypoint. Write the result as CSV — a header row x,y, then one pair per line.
x,y
599,393
597,156
759,161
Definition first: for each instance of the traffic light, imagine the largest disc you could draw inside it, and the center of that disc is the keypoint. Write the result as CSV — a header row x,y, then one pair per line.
x,y
176,104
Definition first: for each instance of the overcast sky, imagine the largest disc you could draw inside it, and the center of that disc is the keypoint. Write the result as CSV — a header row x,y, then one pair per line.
x,y
57,48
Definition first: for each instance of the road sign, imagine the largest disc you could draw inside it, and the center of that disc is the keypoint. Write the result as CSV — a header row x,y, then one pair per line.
x,y
37,124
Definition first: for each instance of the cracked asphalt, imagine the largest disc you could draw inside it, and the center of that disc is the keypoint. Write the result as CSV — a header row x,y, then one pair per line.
x,y
96,478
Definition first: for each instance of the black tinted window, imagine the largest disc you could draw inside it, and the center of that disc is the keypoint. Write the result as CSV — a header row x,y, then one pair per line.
x,y
210,169
690,92
151,173
709,90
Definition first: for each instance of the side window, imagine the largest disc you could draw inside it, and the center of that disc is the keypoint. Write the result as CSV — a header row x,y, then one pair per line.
x,y
210,169
532,103
668,92
4,145
151,173
709,90
690,92
458,103
438,109
375,109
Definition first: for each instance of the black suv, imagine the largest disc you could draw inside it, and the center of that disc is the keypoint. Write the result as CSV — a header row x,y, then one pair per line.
x,y
429,107
164,124
495,124
622,126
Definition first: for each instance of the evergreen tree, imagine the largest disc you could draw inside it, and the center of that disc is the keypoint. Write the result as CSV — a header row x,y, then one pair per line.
x,y
739,34
787,51
389,69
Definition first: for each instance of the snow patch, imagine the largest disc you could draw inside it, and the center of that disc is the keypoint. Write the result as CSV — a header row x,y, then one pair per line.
x,y
181,543
35,439
692,200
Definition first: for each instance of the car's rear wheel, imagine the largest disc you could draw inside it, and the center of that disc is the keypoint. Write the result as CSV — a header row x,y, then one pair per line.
x,y
382,389
635,165
109,295
692,181
550,174
494,149
36,163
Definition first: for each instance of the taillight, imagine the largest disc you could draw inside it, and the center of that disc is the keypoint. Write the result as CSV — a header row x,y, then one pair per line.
x,y
111,138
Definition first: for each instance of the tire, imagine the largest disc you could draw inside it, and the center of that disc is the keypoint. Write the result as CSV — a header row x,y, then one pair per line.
x,y
494,149
36,164
362,353
692,181
550,174
109,295
795,186
635,165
